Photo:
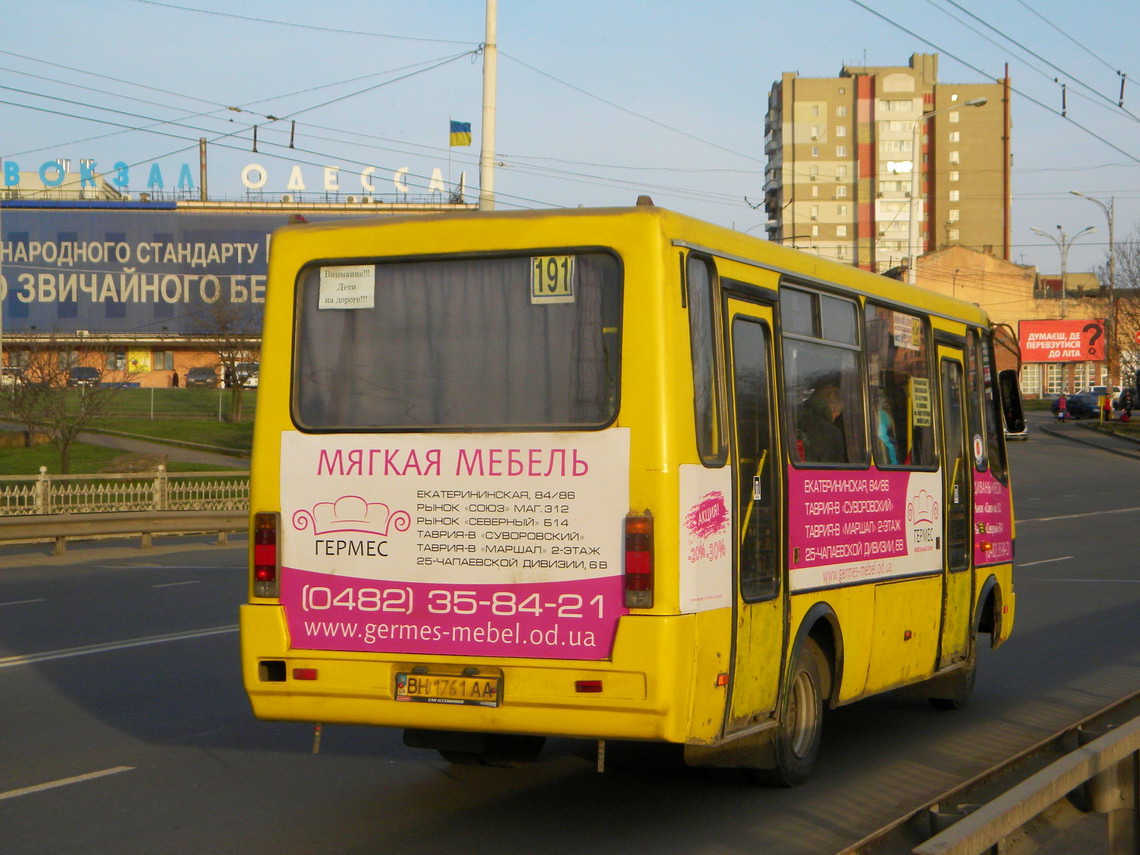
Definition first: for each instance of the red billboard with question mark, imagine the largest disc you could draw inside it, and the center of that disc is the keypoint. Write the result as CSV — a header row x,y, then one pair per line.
x,y
1061,340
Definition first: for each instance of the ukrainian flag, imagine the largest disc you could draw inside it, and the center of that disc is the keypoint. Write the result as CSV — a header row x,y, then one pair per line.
x,y
461,133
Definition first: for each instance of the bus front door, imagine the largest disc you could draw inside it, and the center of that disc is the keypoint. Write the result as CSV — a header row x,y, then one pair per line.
x,y
758,604
957,468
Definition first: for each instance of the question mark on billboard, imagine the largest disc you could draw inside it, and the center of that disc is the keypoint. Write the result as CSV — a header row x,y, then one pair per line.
x,y
1096,333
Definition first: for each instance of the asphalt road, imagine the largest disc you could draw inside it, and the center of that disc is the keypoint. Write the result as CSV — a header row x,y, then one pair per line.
x,y
122,665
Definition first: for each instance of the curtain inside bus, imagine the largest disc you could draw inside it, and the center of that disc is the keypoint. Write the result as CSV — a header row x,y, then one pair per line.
x,y
461,343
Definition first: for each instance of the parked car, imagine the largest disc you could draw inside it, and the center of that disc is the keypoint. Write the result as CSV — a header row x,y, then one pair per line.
x,y
202,376
11,375
1022,434
1080,406
246,374
83,375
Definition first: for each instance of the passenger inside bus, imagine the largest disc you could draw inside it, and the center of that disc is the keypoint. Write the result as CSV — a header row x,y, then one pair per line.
x,y
885,441
821,427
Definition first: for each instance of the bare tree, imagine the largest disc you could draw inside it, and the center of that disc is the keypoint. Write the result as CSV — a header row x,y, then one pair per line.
x,y
1124,305
233,331
61,391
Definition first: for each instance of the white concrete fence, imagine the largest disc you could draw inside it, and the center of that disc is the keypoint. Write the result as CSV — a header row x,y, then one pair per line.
x,y
119,492
59,508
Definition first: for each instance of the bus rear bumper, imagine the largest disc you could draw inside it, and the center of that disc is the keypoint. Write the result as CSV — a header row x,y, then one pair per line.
x,y
611,699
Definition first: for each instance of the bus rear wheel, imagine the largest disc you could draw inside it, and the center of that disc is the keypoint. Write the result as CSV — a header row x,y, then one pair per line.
x,y
801,719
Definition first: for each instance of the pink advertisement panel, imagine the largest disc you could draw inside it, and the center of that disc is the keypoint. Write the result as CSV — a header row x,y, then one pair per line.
x,y
466,545
564,620
993,523
1061,340
847,528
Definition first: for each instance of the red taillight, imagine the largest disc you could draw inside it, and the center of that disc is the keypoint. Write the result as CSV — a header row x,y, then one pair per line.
x,y
639,561
588,686
265,554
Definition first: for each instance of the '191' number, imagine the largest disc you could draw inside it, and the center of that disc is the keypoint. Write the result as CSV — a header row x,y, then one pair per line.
x,y
552,279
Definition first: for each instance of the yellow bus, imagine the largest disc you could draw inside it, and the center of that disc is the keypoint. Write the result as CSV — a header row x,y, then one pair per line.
x,y
615,474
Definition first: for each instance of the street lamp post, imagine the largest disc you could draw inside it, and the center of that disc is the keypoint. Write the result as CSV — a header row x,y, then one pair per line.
x,y
916,185
1064,242
1109,214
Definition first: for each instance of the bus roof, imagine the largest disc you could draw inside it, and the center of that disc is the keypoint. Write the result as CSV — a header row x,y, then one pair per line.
x,y
679,229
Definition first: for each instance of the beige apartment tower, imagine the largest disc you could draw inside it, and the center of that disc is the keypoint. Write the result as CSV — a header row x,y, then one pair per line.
x,y
841,154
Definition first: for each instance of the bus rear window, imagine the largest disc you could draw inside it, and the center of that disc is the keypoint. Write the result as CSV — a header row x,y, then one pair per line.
x,y
511,342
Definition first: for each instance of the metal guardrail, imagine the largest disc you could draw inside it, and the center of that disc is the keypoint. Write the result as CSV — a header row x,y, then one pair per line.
x,y
119,492
60,528
1110,764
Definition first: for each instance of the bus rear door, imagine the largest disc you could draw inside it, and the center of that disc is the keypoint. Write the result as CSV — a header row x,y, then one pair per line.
x,y
758,606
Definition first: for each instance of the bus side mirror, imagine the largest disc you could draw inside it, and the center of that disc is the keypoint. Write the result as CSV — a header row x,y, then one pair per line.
x,y
1011,401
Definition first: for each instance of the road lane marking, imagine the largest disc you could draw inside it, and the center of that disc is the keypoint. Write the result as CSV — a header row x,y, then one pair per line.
x,y
1079,516
65,782
22,602
1045,561
177,584
86,650
153,566
1082,581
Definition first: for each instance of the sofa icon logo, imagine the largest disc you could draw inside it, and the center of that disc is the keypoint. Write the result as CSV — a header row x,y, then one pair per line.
x,y
922,516
352,513
922,509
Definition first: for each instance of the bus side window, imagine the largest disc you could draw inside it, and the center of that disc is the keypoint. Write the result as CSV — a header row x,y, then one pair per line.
x,y
898,362
712,443
822,378
975,409
991,408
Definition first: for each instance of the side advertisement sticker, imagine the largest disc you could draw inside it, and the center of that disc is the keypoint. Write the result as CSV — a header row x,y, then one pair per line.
x,y
472,545
706,535
864,526
993,523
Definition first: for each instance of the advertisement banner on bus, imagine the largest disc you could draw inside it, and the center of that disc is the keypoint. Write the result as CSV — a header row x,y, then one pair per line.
x,y
855,527
993,520
473,545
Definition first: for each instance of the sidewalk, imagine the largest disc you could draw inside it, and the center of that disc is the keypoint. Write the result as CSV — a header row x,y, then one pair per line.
x,y
170,451
1085,432
183,453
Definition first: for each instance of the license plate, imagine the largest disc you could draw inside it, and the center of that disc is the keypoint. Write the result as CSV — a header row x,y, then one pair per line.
x,y
448,689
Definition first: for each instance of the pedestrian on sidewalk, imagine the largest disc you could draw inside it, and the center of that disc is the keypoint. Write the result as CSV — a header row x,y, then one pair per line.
x,y
1062,408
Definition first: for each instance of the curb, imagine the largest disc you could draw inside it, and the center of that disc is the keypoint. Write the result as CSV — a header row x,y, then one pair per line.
x,y
1095,443
178,443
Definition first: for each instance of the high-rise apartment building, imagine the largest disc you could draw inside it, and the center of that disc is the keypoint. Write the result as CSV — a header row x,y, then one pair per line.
x,y
841,154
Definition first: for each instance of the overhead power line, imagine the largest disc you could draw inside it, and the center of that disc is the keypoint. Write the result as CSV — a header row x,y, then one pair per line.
x,y
616,106
309,26
1096,92
1087,50
982,72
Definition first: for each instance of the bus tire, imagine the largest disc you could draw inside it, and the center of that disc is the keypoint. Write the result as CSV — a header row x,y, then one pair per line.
x,y
954,692
801,718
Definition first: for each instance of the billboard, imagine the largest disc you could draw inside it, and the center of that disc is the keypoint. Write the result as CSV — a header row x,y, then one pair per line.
x,y
146,269
1061,340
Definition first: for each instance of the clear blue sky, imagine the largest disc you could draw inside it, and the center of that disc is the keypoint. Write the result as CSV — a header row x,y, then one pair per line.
x,y
597,101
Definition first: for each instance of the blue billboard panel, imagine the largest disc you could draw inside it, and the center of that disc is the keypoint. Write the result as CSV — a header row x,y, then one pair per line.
x,y
146,271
